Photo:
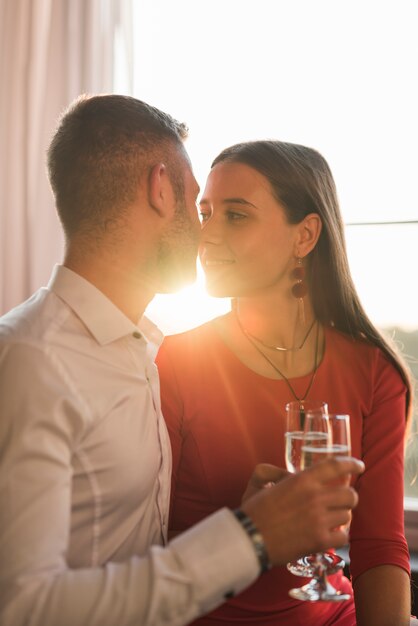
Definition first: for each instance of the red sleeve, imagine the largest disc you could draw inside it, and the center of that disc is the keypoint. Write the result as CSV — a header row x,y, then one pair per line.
x,y
172,409
377,530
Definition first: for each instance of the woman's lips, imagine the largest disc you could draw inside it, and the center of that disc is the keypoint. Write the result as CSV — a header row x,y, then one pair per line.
x,y
212,261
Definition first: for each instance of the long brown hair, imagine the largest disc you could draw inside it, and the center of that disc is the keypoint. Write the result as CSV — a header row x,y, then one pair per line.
x,y
302,182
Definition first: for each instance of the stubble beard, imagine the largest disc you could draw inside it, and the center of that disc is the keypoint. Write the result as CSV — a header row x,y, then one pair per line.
x,y
177,253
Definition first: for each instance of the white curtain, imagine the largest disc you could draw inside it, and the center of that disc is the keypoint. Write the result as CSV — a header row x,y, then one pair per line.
x,y
50,52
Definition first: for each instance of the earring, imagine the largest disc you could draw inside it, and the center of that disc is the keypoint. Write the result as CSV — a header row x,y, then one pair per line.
x,y
300,288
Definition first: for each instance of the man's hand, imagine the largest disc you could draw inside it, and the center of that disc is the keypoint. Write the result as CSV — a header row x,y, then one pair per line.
x,y
264,475
304,512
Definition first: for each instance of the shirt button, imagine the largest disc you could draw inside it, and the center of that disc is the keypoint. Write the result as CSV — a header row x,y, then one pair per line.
x,y
136,334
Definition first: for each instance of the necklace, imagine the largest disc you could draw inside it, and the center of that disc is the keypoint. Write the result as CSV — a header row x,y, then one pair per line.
x,y
278,348
302,398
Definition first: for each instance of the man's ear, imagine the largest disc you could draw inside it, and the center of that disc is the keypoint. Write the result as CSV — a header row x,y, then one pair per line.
x,y
309,230
160,190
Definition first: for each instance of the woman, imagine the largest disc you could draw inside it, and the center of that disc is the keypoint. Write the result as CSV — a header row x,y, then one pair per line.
x,y
272,239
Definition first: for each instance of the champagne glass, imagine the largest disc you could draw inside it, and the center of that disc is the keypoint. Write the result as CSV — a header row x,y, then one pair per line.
x,y
341,437
325,436
295,422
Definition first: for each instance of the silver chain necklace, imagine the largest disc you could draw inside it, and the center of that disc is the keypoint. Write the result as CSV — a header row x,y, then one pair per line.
x,y
274,366
278,348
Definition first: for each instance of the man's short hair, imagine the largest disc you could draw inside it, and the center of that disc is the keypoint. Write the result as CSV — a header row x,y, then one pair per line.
x,y
100,150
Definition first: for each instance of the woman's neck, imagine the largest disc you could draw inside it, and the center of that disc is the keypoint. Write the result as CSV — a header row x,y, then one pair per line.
x,y
276,321
272,320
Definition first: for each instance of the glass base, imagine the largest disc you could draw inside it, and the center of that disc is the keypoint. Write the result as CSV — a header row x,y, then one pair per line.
x,y
305,566
315,592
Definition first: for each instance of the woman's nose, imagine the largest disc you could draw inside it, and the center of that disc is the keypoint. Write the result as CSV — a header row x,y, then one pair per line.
x,y
211,231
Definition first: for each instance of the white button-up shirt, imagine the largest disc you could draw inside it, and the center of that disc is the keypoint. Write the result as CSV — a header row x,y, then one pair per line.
x,y
85,475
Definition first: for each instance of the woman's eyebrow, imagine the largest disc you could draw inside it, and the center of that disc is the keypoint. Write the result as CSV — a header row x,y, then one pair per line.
x,y
240,201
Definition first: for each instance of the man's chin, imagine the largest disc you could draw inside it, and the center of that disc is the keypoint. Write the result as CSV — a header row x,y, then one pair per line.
x,y
176,281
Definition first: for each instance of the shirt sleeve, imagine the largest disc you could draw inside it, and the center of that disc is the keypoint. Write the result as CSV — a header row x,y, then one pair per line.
x,y
40,424
173,412
377,530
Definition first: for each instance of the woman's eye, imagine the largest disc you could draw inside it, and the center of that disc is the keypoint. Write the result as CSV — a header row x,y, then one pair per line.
x,y
203,216
234,216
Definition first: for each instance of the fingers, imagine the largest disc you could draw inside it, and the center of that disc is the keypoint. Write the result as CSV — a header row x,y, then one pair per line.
x,y
264,475
342,498
328,515
334,469
338,537
327,507
306,512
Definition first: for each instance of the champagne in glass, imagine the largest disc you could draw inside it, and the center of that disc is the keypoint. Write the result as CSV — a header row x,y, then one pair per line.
x,y
341,438
293,450
313,449
295,422
317,438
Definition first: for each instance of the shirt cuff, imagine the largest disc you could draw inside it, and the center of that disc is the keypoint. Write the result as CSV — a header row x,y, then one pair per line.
x,y
219,556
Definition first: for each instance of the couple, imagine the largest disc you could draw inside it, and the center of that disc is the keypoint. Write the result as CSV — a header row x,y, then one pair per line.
x,y
85,459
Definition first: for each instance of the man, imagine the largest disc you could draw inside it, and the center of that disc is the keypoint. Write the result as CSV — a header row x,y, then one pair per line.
x,y
84,453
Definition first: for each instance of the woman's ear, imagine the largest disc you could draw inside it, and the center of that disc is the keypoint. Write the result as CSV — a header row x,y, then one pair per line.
x,y
309,230
161,196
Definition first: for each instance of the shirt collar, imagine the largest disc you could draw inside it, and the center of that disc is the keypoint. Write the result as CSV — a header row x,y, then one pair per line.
x,y
103,319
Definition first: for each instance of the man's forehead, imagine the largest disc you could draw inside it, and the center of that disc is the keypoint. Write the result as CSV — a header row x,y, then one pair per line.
x,y
189,176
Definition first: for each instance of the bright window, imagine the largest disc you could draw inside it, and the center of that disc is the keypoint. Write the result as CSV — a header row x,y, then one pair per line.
x,y
338,76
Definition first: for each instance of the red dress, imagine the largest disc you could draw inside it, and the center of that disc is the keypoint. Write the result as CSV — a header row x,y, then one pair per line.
x,y
223,419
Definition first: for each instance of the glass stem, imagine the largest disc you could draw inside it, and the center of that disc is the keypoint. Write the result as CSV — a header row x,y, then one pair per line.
x,y
321,573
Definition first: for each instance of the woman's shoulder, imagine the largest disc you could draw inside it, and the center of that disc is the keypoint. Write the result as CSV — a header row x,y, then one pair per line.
x,y
346,344
360,355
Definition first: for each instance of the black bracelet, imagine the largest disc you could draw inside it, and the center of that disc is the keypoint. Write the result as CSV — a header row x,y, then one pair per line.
x,y
256,539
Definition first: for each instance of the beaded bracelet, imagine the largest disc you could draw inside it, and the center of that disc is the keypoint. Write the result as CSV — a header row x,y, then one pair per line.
x,y
256,539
